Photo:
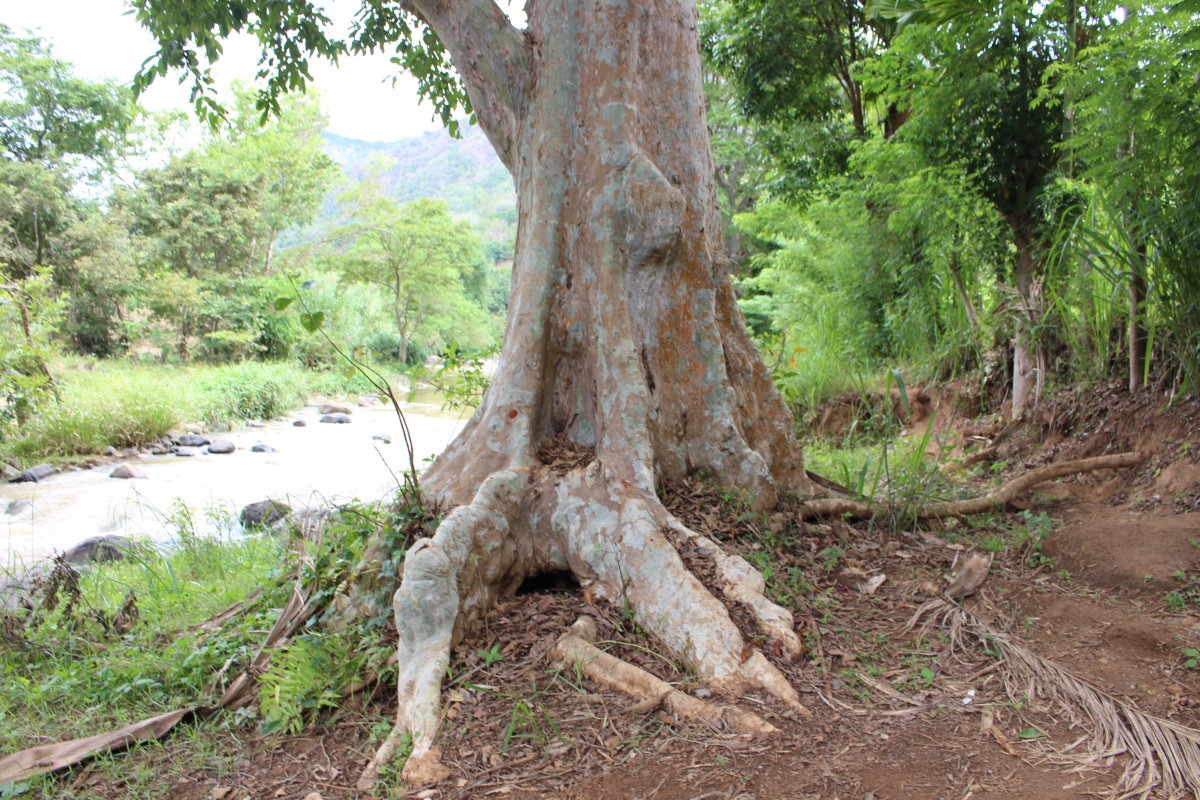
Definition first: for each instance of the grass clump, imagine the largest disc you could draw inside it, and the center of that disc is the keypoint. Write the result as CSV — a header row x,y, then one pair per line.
x,y
129,404
226,395
117,647
122,412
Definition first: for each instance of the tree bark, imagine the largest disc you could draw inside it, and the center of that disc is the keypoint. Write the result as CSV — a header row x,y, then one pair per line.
x,y
1029,360
1138,335
623,340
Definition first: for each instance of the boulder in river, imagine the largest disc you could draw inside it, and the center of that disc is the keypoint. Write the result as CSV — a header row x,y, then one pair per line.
x,y
128,471
334,408
262,448
98,549
256,423
336,419
195,427
35,474
188,452
222,447
299,423
263,513
18,507
369,400
194,440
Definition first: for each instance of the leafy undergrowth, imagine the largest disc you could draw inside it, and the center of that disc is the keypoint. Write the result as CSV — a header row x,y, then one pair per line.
x,y
113,644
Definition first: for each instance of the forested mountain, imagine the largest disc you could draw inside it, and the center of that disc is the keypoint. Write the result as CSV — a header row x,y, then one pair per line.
x,y
465,173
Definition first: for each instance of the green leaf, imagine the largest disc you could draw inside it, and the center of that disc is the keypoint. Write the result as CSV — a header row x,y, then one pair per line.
x,y
282,303
312,322
1031,733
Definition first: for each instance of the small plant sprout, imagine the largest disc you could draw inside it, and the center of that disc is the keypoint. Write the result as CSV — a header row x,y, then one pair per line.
x,y
491,655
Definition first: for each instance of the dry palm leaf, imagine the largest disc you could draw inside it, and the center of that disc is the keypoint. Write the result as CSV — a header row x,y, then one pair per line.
x,y
1163,756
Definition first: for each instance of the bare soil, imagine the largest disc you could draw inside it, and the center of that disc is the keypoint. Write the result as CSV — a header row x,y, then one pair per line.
x,y
894,716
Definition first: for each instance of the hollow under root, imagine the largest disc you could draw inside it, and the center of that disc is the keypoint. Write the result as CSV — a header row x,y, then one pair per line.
x,y
576,648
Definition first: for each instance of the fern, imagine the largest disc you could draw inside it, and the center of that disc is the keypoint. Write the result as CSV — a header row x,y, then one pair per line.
x,y
303,678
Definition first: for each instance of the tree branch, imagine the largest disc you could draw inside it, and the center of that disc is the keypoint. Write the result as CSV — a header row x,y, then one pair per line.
x,y
493,59
860,509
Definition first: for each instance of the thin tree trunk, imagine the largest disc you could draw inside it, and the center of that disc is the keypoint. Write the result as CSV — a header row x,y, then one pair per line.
x,y
1138,336
1029,361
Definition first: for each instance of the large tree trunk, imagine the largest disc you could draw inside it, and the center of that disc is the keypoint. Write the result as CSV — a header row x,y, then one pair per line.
x,y
623,342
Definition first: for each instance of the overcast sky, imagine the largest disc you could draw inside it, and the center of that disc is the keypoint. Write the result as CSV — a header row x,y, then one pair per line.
x,y
103,42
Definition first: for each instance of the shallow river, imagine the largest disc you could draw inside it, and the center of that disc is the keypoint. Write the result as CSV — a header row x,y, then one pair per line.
x,y
311,465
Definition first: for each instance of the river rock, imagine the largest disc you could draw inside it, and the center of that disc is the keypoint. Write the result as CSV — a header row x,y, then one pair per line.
x,y
195,427
263,513
18,507
98,549
337,419
222,447
299,423
128,471
194,440
256,423
369,400
130,452
262,448
333,408
188,452
111,451
34,474
305,523
382,437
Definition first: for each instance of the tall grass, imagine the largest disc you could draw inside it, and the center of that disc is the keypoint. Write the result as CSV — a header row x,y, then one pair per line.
x,y
128,404
68,676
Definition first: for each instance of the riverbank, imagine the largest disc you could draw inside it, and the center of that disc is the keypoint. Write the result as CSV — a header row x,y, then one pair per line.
x,y
303,462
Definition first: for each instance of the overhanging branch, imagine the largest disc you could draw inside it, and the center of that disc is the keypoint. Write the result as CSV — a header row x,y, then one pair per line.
x,y
492,58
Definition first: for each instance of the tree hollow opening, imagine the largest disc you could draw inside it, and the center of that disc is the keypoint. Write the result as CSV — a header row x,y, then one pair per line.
x,y
549,582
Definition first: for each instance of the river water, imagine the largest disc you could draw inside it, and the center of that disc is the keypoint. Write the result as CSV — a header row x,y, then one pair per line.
x,y
312,465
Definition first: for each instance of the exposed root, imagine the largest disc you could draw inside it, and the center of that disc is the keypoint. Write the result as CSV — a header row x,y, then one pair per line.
x,y
1163,756
613,535
636,564
575,648
743,584
991,501
472,547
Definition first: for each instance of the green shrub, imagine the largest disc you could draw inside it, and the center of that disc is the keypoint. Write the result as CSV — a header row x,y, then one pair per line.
x,y
250,391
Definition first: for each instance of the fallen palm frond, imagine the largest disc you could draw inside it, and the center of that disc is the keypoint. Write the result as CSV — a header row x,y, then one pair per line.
x,y
860,509
1163,756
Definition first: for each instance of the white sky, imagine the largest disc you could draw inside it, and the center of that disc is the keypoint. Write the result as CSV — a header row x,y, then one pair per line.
x,y
102,42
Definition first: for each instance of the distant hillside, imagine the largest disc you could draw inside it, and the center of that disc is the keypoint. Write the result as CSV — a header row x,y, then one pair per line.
x,y
464,172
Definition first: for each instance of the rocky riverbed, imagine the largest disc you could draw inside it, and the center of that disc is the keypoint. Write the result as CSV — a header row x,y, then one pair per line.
x,y
357,452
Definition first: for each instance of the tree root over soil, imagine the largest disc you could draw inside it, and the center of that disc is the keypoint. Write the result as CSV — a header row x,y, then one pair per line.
x,y
524,521
1162,756
992,501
